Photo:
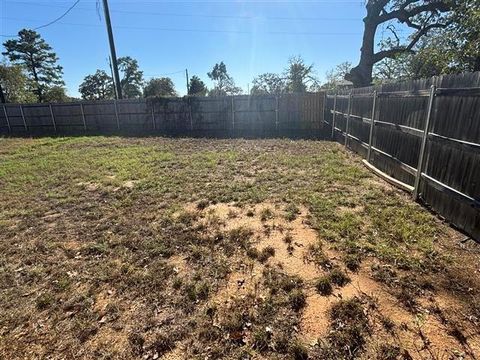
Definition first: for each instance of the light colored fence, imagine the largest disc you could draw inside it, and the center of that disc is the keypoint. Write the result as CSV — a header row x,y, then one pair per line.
x,y
287,115
423,136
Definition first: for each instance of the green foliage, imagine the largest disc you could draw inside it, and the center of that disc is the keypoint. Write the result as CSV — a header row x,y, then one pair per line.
x,y
98,86
224,83
324,286
267,84
300,76
131,77
449,50
159,87
15,84
56,94
197,87
465,35
38,59
336,77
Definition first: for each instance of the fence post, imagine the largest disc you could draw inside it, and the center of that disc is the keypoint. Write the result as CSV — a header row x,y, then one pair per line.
x,y
116,114
333,115
53,118
23,118
83,117
276,114
190,113
421,157
233,115
153,117
6,118
348,118
324,119
372,125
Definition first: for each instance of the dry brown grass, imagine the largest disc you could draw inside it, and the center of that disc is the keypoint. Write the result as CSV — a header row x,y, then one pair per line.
x,y
117,248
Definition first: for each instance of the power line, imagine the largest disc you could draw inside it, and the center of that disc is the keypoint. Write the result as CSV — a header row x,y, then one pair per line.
x,y
51,22
60,17
203,30
214,16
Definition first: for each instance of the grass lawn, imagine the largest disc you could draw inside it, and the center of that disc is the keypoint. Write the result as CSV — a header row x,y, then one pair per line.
x,y
126,248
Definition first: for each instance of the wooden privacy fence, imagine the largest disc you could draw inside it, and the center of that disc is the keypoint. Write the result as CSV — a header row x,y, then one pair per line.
x,y
288,115
423,136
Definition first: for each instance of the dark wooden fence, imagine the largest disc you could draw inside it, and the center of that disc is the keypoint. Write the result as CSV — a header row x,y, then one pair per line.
x,y
288,115
424,138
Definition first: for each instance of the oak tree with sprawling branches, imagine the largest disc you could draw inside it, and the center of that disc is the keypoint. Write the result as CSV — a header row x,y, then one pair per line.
x,y
421,16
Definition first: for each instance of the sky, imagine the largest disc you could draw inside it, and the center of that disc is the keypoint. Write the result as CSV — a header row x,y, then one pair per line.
x,y
167,37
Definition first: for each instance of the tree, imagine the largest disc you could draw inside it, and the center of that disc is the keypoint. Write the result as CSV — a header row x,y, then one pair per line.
x,y
131,77
38,59
56,94
392,70
337,75
159,87
449,50
15,84
464,35
421,16
300,76
224,83
197,87
98,86
268,83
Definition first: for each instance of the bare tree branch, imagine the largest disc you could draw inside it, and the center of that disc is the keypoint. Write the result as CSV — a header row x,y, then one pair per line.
x,y
391,53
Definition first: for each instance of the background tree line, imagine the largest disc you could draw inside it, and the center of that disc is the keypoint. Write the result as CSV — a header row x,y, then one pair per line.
x,y
444,39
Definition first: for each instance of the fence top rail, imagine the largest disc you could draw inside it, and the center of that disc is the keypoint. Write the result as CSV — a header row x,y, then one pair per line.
x,y
470,91
408,93
473,91
366,95
459,141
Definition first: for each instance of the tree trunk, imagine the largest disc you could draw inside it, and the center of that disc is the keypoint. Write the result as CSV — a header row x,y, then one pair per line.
x,y
361,75
35,77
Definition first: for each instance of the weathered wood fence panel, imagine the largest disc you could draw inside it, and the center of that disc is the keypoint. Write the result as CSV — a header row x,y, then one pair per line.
x,y
440,116
286,115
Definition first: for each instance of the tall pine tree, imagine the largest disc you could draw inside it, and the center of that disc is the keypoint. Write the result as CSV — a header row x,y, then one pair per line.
x,y
38,59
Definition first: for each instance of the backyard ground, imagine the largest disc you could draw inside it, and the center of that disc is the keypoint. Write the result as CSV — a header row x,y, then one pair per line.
x,y
154,248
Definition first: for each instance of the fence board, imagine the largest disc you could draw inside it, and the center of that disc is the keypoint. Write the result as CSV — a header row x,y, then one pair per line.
x,y
452,158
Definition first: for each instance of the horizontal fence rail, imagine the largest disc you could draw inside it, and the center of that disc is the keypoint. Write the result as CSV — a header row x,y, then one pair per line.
x,y
285,115
422,136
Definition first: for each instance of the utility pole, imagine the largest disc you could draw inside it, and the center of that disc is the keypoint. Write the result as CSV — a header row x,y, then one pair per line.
x,y
113,54
2,96
111,74
188,86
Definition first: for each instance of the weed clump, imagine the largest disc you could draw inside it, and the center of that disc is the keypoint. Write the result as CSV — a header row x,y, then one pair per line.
x,y
198,291
291,212
266,253
44,301
278,282
324,286
202,204
162,344
186,218
253,253
266,214
298,351
316,255
297,299
349,328
338,277
352,262
240,237
388,352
